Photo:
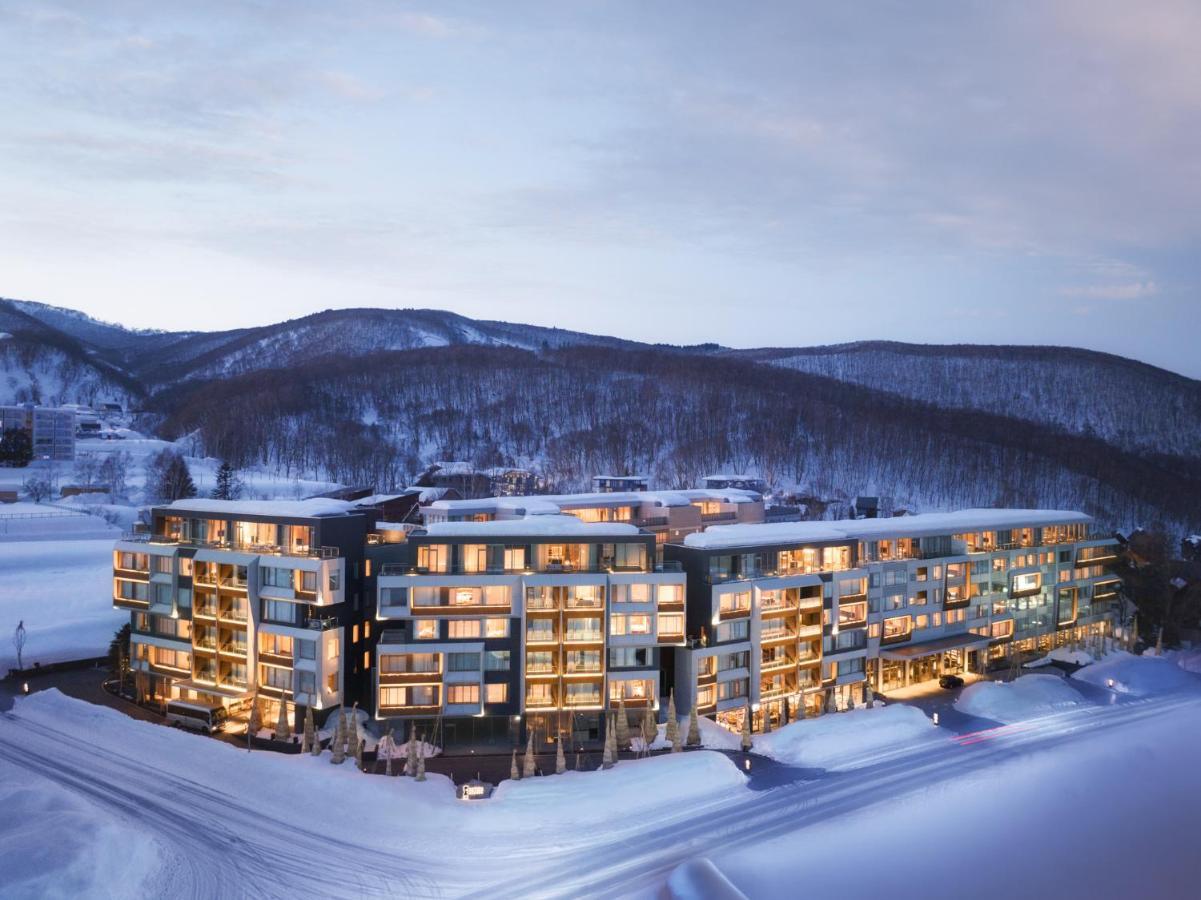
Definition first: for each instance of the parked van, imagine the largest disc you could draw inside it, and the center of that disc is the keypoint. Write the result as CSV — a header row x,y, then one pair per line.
x,y
196,716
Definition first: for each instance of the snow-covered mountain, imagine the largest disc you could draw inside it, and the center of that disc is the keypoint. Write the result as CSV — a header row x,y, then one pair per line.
x,y
366,395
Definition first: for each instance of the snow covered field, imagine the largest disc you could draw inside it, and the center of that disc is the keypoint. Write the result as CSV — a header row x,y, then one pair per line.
x,y
63,590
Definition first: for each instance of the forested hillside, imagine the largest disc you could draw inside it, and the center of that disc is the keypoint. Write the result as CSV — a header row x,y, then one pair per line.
x,y
674,415
1135,406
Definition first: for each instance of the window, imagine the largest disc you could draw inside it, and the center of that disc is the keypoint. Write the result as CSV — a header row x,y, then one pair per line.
x,y
474,557
393,597
733,631
462,693
462,662
735,603
331,682
275,644
275,677
416,695
496,628
897,627
670,593
281,611
1025,583
306,682
464,628
163,565
729,661
399,663
496,693
638,624
308,581
630,657
273,576
921,622
332,649
496,661
366,660
1002,629
706,696
334,581
354,634
729,690
631,593
433,557
671,625
852,613
514,559
425,629
850,666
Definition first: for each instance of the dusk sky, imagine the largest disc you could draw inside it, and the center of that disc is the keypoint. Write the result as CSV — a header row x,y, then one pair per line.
x,y
747,173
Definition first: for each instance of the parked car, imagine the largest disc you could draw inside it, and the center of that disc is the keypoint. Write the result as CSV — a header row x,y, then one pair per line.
x,y
950,682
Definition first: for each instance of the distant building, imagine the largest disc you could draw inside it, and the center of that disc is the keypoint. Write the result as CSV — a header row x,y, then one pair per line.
x,y
606,484
873,507
52,430
514,482
461,477
739,482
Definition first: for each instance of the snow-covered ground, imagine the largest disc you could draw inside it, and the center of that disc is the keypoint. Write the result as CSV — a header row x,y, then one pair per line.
x,y
63,591
1114,816
1025,698
841,741
199,817
1138,676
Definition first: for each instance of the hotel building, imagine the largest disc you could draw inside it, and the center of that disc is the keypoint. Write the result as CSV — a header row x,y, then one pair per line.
x,y
508,615
490,629
233,598
789,617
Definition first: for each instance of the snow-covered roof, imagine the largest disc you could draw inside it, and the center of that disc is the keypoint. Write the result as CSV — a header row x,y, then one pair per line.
x,y
923,525
376,499
284,509
534,526
549,504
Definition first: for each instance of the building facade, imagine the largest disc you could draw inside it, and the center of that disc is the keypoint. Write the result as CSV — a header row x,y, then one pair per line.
x,y
545,615
786,618
51,429
232,599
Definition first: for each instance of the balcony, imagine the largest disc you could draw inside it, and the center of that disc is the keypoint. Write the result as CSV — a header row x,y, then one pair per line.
x,y
805,631
578,636
541,637
585,603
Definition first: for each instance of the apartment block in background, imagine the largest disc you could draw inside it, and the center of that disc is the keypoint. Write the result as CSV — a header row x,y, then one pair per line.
x,y
51,429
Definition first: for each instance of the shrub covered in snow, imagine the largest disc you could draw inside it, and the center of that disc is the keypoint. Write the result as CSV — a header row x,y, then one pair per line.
x,y
1137,675
1026,698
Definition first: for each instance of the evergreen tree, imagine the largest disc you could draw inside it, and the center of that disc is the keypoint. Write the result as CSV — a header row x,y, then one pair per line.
x,y
694,729
609,757
283,725
254,722
747,743
560,760
672,731
766,720
579,763
623,726
387,746
869,696
513,773
337,745
831,702
358,753
16,448
310,734
650,729
420,776
528,768
352,728
411,758
229,486
315,749
118,656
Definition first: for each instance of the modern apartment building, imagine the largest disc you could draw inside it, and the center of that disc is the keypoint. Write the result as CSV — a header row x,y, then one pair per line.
x,y
788,617
490,629
51,429
233,598
504,616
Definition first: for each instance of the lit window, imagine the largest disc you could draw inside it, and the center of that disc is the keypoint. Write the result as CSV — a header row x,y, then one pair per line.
x,y
497,693
425,629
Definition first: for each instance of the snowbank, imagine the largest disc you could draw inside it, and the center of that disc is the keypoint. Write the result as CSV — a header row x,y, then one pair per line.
x,y
1189,660
1137,675
1026,698
848,740
1063,655
699,879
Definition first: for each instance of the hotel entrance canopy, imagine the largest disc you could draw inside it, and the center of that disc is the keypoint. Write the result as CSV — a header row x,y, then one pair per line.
x,y
937,645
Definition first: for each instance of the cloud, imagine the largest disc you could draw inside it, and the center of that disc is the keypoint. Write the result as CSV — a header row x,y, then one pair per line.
x,y
1133,290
